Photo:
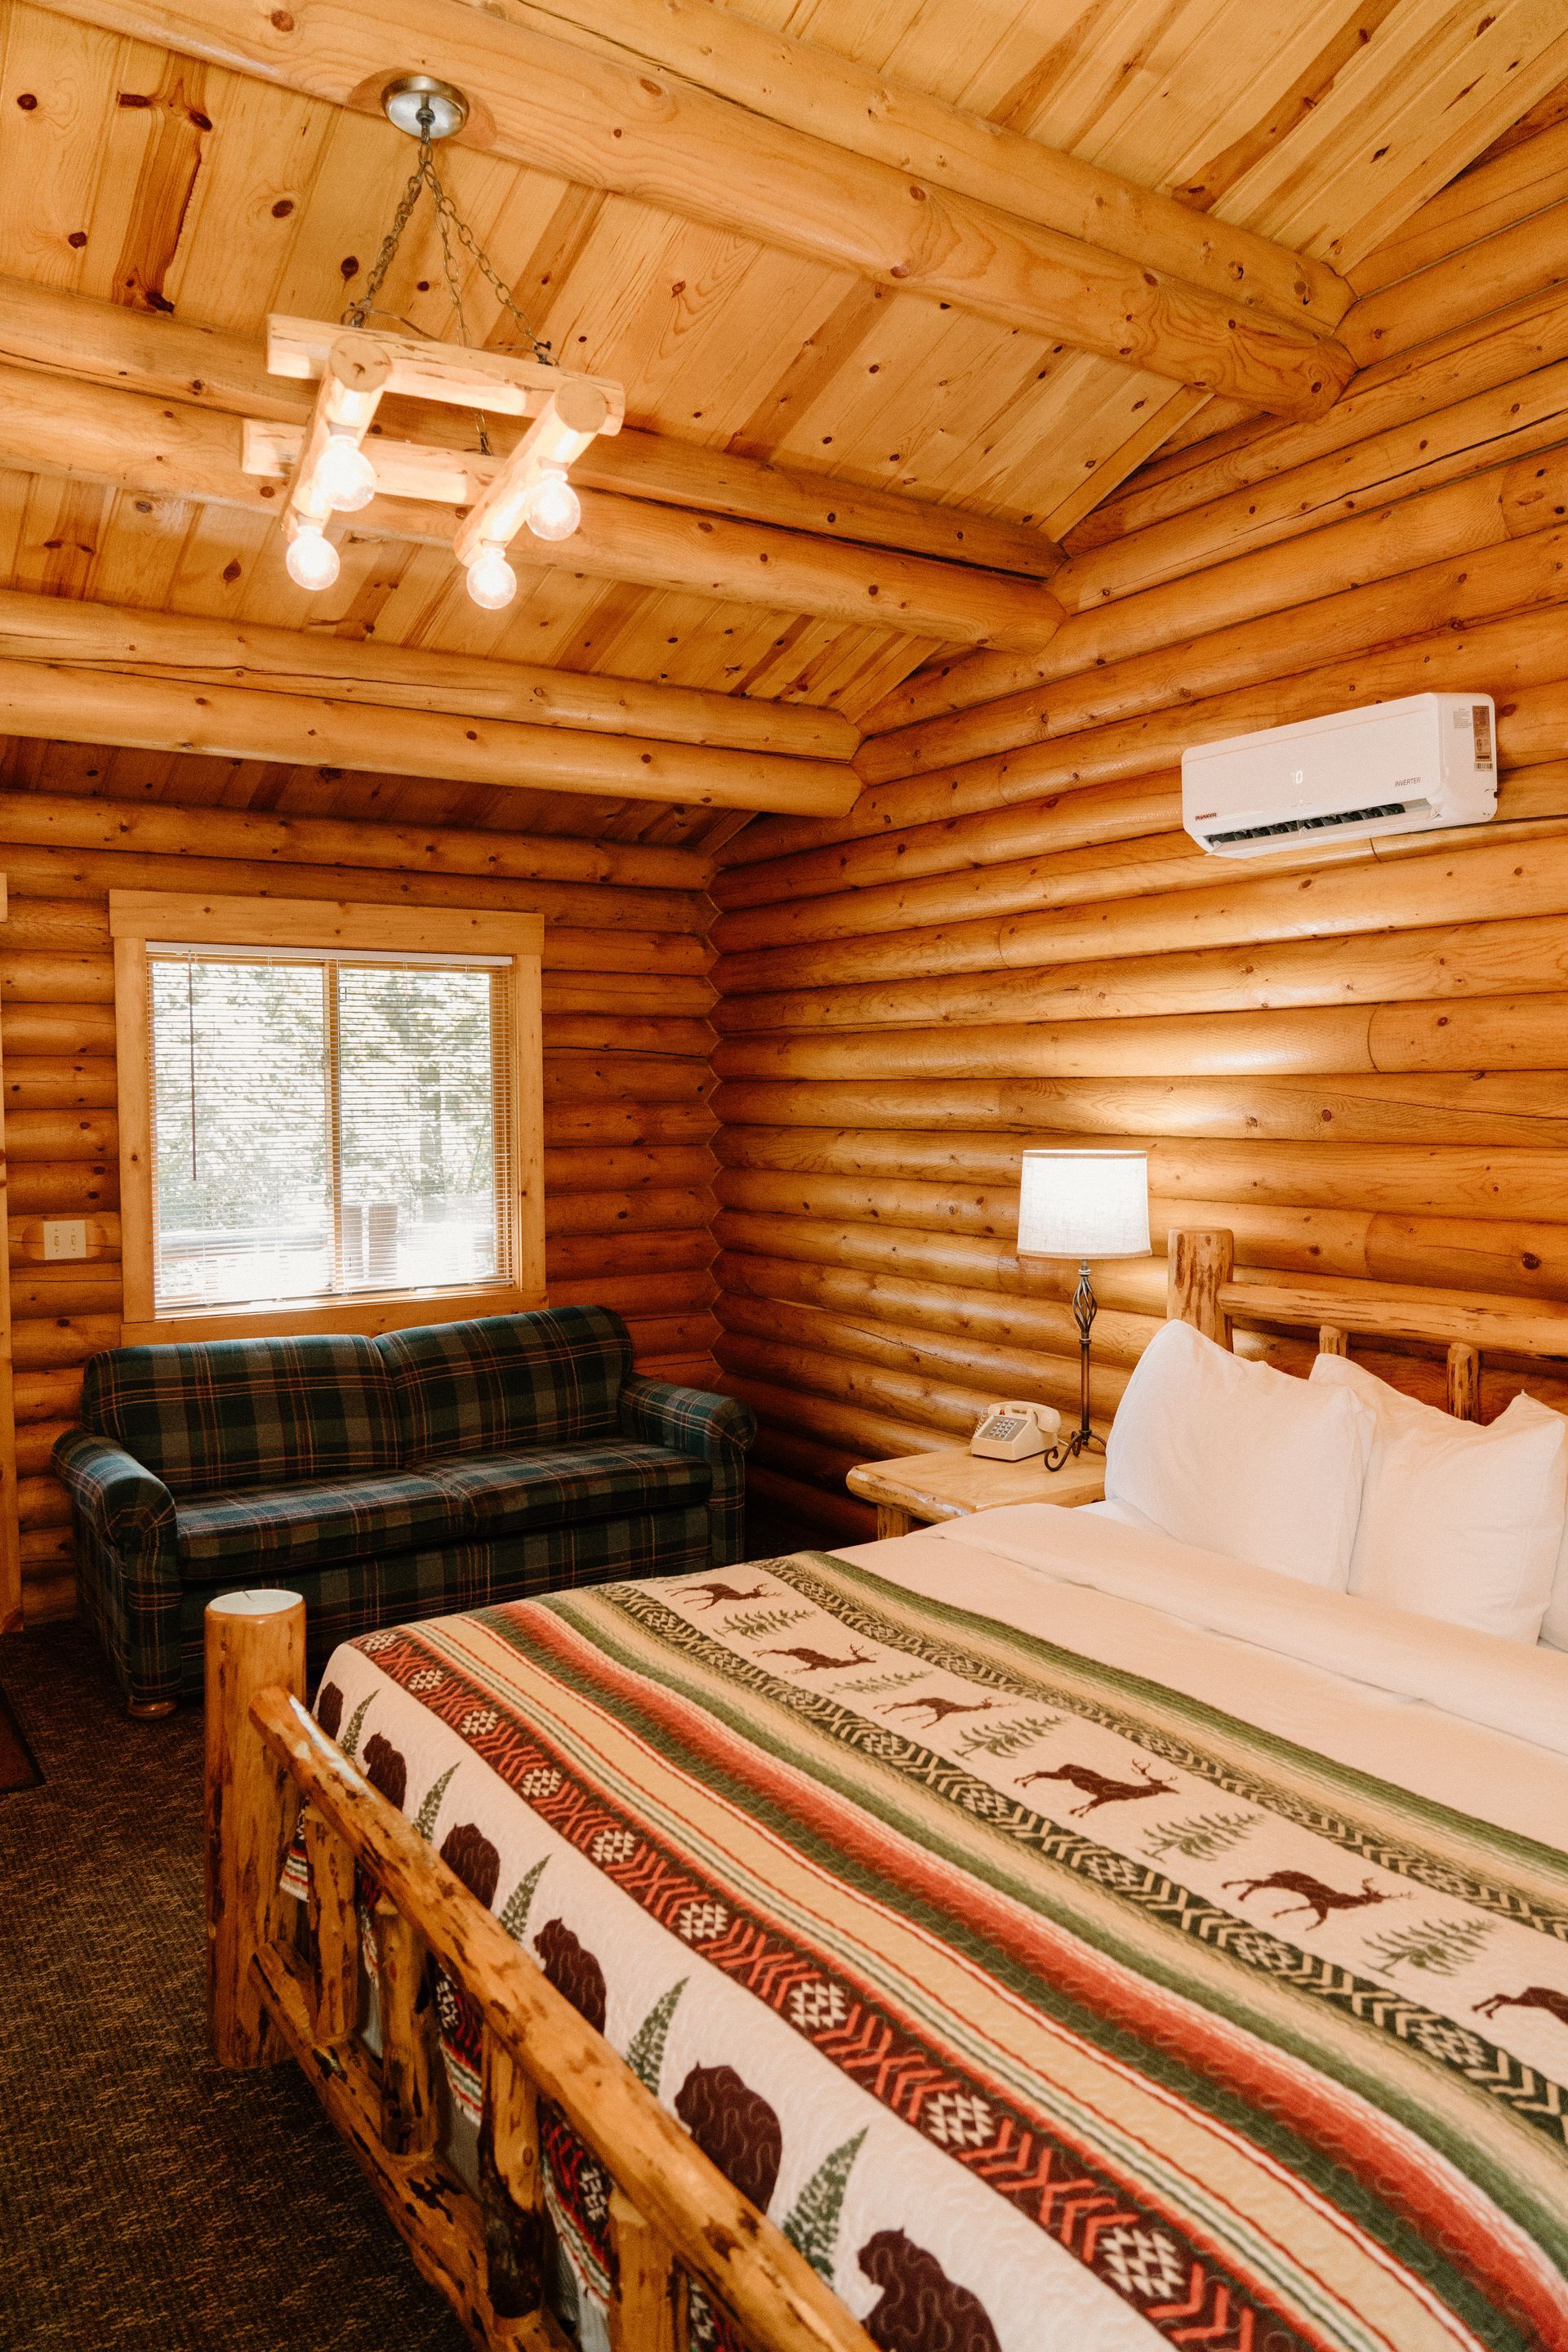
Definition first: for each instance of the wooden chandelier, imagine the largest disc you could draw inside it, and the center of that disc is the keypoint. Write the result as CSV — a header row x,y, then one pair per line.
x,y
334,466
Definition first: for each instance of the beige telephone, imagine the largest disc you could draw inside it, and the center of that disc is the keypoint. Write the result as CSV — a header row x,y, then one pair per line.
x,y
1012,1433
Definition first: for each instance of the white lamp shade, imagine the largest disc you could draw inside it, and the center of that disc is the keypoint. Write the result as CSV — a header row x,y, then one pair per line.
x,y
1084,1204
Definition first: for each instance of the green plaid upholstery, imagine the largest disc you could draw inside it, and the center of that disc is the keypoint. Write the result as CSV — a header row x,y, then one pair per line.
x,y
231,1414
716,1430
500,1493
408,1477
360,1595
234,1536
127,1569
506,1381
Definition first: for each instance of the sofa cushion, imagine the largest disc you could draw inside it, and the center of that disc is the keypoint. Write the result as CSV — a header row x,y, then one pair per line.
x,y
544,1487
360,1596
317,1519
228,1414
507,1381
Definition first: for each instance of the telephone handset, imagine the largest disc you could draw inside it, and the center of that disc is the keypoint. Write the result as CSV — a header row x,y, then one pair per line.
x,y
1012,1433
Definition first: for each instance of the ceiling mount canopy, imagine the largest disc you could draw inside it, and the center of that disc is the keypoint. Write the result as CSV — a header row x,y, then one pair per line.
x,y
335,465
424,107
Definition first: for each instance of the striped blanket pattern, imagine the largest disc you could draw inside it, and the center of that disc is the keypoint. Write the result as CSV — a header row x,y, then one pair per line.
x,y
1042,2006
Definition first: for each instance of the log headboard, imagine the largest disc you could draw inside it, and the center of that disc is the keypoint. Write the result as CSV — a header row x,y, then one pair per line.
x,y
1203,1290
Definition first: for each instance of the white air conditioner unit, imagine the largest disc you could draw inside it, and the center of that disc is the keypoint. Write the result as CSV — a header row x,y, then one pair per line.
x,y
1410,766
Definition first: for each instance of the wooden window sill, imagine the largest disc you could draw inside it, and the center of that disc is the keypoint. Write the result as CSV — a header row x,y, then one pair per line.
x,y
398,1310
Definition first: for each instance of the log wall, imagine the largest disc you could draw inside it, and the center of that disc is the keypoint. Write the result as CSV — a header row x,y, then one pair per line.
x,y
1356,1057
628,1163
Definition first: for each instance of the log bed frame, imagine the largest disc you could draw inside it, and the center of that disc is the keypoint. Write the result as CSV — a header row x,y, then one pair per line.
x,y
273,1991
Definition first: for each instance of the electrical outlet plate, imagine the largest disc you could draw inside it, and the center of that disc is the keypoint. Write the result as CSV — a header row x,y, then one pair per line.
x,y
64,1237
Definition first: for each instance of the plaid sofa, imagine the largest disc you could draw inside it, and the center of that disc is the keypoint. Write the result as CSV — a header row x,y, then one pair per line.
x,y
404,1477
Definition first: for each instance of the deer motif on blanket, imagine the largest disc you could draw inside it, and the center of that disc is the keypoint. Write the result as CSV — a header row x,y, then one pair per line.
x,y
1099,1789
717,1592
1316,1898
1544,1997
939,1708
817,1662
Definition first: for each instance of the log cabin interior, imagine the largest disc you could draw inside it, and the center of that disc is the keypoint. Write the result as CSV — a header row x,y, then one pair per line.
x,y
616,619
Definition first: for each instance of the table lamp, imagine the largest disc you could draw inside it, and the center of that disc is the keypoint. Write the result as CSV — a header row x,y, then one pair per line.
x,y
1083,1205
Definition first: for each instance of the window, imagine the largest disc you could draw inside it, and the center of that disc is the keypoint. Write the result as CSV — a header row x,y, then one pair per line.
x,y
329,1115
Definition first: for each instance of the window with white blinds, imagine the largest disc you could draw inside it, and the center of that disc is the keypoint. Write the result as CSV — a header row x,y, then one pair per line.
x,y
327,1125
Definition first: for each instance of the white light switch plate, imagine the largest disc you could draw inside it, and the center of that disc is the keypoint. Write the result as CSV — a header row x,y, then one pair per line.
x,y
64,1237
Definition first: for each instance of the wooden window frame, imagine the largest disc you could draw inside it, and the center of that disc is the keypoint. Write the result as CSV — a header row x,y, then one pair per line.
x,y
136,917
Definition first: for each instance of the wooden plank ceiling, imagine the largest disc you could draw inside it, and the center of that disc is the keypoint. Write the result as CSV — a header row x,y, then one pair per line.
x,y
155,180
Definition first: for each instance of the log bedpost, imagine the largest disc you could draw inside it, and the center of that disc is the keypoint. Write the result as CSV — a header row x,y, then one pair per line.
x,y
647,2314
1198,1266
255,1642
1464,1381
410,2060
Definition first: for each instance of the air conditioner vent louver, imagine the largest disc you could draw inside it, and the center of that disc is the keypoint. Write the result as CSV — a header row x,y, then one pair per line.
x,y
1323,824
1413,765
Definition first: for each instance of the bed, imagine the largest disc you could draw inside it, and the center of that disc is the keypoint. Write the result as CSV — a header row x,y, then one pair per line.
x,y
1029,1936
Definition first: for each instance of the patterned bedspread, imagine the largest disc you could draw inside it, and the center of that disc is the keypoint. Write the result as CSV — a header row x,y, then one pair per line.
x,y
1045,2009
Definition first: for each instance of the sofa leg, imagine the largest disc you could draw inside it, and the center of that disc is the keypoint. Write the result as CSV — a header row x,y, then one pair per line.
x,y
149,1710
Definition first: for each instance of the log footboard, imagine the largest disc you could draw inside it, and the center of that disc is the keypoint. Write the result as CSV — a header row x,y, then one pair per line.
x,y
275,1990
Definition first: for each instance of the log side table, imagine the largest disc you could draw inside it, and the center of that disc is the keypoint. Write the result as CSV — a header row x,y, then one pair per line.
x,y
952,1482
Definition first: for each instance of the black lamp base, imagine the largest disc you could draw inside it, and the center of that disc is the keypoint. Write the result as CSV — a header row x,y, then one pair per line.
x,y
1083,1439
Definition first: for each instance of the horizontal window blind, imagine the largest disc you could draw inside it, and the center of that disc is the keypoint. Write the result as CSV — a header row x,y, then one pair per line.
x,y
326,1126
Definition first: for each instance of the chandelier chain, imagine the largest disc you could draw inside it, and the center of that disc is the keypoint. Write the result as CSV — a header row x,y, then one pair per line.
x,y
452,223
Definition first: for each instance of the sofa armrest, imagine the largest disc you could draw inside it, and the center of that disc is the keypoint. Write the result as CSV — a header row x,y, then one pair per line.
x,y
717,1429
126,1506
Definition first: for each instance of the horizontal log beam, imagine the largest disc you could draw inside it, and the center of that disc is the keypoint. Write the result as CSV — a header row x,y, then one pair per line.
x,y
1531,801
1514,263
77,705
162,829
295,661
1522,1032
1490,873
1381,1178
75,335
598,121
1456,554
590,927
1519,656
815,89
68,427
1515,346
1433,965
1489,1109
1060,821
1474,357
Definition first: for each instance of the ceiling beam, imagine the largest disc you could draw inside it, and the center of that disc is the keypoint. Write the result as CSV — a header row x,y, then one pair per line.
x,y
202,651
121,681
559,107
85,431
76,334
810,89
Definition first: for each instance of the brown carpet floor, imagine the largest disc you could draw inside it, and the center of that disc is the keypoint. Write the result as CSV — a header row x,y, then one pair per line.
x,y
18,1767
146,2197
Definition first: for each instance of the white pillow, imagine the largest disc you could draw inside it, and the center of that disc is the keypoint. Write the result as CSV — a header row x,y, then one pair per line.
x,y
1554,1625
1238,1458
1458,1521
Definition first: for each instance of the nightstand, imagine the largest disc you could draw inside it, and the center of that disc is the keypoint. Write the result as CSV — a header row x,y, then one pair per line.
x,y
952,1482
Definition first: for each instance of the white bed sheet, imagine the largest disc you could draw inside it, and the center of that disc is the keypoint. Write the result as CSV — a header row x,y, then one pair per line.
x,y
1469,1720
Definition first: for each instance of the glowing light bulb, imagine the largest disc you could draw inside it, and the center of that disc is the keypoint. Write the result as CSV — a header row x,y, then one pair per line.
x,y
345,477
312,561
492,582
552,512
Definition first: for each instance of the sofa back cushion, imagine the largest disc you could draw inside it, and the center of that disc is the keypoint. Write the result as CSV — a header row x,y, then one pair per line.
x,y
547,1378
228,1414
